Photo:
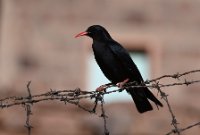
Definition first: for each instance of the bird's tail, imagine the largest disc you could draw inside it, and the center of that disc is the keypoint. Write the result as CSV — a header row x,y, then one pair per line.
x,y
140,97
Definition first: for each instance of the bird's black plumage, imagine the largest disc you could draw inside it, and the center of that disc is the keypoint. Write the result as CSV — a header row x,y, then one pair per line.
x,y
117,65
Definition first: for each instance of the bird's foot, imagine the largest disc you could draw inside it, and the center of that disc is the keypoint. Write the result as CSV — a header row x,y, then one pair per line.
x,y
104,87
121,84
101,88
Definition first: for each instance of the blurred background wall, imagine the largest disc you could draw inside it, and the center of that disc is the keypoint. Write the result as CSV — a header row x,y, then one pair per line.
x,y
37,43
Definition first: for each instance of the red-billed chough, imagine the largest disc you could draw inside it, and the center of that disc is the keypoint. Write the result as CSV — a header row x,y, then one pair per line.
x,y
118,67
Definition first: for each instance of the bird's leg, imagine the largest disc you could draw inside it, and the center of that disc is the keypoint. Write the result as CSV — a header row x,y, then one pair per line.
x,y
121,84
104,87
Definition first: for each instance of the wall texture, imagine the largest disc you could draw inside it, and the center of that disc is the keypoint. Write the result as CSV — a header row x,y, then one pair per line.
x,y
37,43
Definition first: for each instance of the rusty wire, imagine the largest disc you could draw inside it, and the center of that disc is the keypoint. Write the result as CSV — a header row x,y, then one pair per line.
x,y
75,96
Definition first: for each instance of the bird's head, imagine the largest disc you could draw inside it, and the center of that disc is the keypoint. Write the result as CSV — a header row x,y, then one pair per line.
x,y
96,32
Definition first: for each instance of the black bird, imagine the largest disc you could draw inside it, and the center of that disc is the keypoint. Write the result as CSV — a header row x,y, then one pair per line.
x,y
118,67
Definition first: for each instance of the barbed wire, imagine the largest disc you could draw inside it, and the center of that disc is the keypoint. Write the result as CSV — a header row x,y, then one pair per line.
x,y
75,96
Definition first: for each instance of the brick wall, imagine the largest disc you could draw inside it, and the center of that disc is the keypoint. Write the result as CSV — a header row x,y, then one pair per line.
x,y
37,43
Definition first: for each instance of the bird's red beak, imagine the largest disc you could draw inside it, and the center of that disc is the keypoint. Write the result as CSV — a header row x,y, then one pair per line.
x,y
81,34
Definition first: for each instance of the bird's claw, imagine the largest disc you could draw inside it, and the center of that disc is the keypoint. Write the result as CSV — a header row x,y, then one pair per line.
x,y
101,88
121,84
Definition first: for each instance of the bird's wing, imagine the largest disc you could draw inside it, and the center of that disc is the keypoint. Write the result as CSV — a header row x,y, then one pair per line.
x,y
122,55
